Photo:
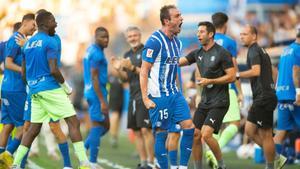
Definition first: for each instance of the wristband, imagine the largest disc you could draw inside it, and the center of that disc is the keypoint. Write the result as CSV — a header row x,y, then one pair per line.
x,y
66,87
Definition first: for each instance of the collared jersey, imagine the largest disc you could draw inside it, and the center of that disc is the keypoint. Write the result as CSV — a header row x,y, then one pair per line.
x,y
2,49
285,89
12,81
212,64
164,54
94,58
37,51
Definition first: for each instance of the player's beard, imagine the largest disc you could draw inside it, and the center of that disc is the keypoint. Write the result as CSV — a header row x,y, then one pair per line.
x,y
134,44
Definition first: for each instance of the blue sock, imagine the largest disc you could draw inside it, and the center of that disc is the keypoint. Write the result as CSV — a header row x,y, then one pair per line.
x,y
95,136
64,150
278,148
173,157
13,145
186,146
2,149
160,149
24,161
87,142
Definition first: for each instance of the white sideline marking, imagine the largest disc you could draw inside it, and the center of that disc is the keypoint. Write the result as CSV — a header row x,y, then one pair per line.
x,y
111,164
33,165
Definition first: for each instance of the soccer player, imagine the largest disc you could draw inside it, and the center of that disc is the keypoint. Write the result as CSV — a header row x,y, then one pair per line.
x,y
232,117
95,80
259,125
54,125
288,92
48,89
165,102
13,92
138,117
216,71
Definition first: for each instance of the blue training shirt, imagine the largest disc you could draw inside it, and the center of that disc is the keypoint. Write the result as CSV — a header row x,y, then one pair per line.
x,y
285,89
2,49
12,81
94,58
37,50
164,54
230,45
58,41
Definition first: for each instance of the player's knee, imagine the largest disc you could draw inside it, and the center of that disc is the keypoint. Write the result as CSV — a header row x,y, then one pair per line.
x,y
206,135
187,124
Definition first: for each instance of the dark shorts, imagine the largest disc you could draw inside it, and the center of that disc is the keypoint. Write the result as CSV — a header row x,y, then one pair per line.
x,y
116,97
212,117
138,116
261,113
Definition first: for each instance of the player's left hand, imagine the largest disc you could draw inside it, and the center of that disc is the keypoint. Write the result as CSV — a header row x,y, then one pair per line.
x,y
203,81
297,101
20,40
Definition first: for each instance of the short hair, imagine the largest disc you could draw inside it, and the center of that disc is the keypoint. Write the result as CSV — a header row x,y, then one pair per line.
x,y
41,18
41,11
164,13
100,29
29,16
219,19
253,30
17,26
133,28
209,27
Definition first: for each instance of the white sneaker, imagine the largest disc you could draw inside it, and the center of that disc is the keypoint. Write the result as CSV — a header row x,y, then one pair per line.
x,y
280,162
67,168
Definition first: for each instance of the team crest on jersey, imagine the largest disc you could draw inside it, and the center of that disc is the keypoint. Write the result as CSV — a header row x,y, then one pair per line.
x,y
213,58
139,56
149,53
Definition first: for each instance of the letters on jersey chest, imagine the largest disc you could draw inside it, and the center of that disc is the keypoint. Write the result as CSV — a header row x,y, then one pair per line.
x,y
34,44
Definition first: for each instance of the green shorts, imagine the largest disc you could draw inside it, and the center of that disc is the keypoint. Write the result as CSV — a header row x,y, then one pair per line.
x,y
51,104
233,113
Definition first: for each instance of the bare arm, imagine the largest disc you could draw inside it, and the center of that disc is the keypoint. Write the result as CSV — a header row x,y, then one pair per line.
x,y
237,81
253,72
146,66
274,74
23,70
55,72
96,85
183,61
9,64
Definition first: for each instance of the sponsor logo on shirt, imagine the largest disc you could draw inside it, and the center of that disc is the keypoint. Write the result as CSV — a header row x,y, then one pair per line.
x,y
149,53
213,58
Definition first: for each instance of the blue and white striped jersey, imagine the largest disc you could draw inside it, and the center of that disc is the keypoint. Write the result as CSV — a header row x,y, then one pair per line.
x,y
164,54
